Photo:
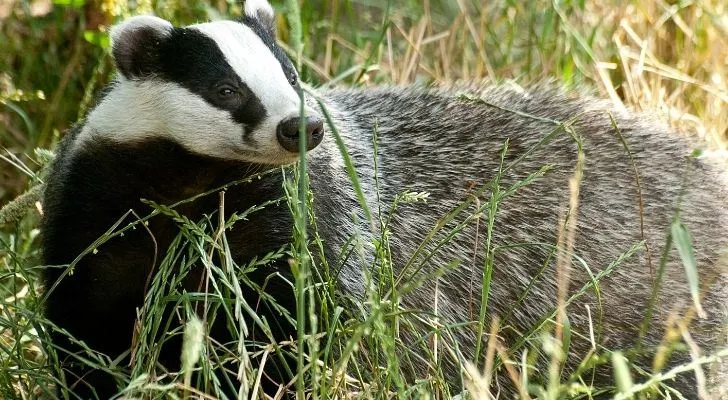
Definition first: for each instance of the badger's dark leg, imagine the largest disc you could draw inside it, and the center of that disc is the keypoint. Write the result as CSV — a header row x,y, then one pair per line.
x,y
104,326
279,366
96,304
275,372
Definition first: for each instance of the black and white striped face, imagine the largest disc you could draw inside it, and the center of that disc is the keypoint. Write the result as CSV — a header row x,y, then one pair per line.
x,y
222,89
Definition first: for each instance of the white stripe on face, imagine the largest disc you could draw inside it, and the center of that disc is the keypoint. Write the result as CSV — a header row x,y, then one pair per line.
x,y
259,69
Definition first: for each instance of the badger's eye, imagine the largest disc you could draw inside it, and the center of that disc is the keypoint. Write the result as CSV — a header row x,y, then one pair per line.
x,y
293,80
226,92
227,96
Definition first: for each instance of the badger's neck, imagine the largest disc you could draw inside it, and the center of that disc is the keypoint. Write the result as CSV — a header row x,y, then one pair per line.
x,y
156,169
97,185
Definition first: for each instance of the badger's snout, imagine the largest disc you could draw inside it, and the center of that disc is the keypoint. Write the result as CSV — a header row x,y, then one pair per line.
x,y
288,133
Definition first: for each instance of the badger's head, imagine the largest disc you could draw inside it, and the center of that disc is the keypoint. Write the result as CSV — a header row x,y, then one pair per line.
x,y
222,89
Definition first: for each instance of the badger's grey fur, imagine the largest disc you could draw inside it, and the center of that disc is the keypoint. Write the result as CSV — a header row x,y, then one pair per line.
x,y
428,140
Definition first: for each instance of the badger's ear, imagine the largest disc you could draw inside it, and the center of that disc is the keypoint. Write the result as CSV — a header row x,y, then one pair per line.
x,y
135,45
262,11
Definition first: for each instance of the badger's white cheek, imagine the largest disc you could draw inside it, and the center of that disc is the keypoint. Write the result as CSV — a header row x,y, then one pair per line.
x,y
207,131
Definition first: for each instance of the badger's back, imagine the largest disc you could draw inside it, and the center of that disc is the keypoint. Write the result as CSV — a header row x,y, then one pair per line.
x,y
450,145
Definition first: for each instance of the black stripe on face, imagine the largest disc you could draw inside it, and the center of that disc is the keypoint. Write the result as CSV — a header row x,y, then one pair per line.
x,y
194,61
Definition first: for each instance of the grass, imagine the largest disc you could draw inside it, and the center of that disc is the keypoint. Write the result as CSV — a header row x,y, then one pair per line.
x,y
668,57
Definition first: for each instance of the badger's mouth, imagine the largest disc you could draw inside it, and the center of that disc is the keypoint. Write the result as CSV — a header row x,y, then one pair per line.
x,y
277,158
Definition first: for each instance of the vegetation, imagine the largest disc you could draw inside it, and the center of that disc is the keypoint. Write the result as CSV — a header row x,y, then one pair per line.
x,y
669,57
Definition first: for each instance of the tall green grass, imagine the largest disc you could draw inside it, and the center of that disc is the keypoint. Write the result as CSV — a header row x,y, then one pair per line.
x,y
668,57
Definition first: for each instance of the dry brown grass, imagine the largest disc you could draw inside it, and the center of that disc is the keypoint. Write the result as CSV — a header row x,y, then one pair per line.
x,y
645,55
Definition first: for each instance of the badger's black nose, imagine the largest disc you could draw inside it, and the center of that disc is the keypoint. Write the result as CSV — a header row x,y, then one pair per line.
x,y
288,133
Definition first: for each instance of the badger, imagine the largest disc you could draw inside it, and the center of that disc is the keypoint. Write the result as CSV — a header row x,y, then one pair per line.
x,y
195,108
